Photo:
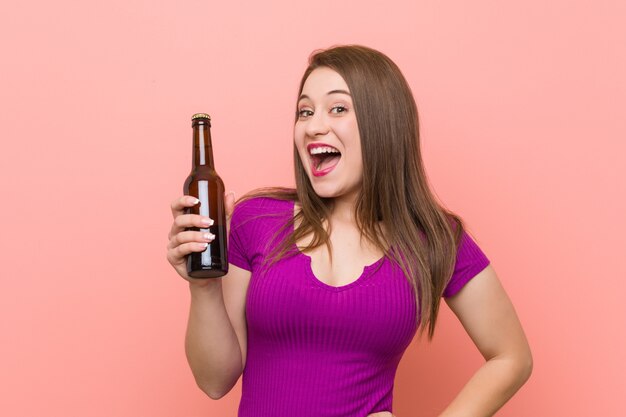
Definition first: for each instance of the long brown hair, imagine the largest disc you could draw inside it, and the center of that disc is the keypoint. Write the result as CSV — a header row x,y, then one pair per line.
x,y
395,209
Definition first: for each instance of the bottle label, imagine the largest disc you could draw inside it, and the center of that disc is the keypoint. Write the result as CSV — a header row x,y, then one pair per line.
x,y
203,196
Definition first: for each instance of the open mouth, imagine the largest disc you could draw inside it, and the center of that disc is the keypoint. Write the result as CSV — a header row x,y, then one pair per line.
x,y
323,159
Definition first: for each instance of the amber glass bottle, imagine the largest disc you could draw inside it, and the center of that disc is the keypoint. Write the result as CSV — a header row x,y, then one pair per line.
x,y
204,183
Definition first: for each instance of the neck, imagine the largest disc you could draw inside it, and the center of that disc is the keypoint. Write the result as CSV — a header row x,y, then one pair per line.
x,y
343,210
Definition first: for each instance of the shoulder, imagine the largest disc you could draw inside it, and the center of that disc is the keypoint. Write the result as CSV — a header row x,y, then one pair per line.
x,y
256,220
257,210
470,260
260,205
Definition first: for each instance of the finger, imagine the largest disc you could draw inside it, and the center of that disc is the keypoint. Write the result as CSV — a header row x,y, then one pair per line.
x,y
189,220
179,205
193,220
189,236
177,254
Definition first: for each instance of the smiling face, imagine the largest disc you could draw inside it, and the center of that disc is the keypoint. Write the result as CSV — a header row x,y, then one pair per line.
x,y
326,136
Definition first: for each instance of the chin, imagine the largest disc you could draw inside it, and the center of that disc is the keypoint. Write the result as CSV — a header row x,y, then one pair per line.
x,y
330,192
325,192
328,188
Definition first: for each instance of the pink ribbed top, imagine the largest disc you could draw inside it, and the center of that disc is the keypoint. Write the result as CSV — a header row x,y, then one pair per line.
x,y
315,350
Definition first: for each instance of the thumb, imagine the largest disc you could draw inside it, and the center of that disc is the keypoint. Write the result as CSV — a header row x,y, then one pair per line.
x,y
229,202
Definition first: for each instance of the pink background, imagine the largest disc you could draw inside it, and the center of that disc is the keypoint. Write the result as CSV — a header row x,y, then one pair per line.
x,y
522,112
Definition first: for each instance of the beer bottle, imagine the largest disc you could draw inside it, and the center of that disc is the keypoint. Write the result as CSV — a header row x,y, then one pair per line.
x,y
204,184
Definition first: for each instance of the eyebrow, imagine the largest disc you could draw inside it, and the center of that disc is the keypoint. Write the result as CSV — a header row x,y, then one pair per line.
x,y
303,96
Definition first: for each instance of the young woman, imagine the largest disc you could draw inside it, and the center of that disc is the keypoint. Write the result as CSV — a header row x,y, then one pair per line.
x,y
329,283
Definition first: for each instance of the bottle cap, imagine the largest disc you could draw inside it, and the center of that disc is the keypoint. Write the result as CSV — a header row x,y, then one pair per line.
x,y
200,116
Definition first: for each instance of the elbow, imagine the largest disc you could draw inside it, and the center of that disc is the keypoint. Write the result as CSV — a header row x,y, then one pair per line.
x,y
216,384
213,392
215,395
523,368
216,390
518,367
528,367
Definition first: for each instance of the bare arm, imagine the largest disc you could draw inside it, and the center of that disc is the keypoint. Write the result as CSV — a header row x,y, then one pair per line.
x,y
215,342
216,338
489,318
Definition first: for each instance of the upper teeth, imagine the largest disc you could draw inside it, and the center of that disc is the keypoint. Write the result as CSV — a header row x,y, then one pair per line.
x,y
323,149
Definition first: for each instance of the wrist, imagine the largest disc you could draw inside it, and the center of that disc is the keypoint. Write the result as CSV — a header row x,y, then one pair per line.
x,y
208,285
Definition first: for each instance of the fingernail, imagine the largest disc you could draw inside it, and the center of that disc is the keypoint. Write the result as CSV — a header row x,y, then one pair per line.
x,y
195,201
208,236
207,221
204,245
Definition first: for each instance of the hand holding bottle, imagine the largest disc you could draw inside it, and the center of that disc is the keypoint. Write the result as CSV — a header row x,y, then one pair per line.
x,y
183,242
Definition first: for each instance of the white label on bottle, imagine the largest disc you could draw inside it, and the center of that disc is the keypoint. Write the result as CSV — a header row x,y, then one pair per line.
x,y
203,196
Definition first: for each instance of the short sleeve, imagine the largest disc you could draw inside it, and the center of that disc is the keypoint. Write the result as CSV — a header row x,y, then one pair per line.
x,y
237,239
470,260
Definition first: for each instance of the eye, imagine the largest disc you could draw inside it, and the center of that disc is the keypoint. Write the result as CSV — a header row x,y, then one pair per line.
x,y
303,113
339,109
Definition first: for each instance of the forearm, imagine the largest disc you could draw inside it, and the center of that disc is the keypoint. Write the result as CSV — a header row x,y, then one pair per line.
x,y
490,388
211,343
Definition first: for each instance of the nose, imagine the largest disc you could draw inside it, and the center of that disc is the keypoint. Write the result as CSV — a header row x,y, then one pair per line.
x,y
317,125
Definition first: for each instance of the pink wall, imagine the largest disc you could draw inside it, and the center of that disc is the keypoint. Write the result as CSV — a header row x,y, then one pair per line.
x,y
522,108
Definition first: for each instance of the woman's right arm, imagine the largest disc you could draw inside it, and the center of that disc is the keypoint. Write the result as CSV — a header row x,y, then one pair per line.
x,y
216,337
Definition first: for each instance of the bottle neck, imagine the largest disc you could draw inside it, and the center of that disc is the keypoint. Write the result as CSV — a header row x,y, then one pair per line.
x,y
202,147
